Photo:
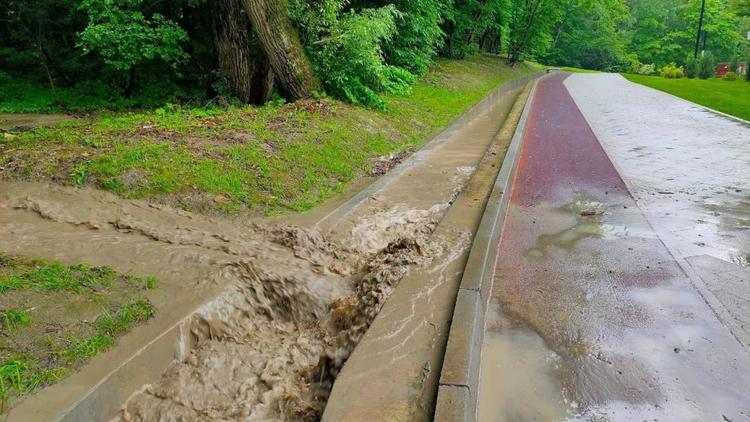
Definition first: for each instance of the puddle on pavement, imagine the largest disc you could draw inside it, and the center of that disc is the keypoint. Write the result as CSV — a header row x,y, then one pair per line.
x,y
587,215
521,379
731,218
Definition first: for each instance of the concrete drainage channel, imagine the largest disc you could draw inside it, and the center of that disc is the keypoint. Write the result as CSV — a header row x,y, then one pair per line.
x,y
393,374
459,381
294,303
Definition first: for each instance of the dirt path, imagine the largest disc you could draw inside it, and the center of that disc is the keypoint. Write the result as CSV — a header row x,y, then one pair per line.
x,y
594,319
261,317
29,121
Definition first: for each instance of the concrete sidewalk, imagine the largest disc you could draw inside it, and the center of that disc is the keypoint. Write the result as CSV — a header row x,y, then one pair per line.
x,y
689,170
593,317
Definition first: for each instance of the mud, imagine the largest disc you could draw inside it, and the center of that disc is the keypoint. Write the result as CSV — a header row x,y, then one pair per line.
x,y
25,121
271,347
293,304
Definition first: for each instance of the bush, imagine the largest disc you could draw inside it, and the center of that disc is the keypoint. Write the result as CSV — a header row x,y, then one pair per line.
x,y
707,68
347,50
731,76
734,64
692,67
418,36
646,69
671,71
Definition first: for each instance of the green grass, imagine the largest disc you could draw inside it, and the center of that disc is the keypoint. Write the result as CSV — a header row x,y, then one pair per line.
x,y
56,317
10,319
21,96
728,97
578,70
259,160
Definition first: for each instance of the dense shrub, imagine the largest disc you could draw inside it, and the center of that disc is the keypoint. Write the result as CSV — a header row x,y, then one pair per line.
x,y
671,71
707,67
119,32
347,50
692,67
730,76
646,69
418,34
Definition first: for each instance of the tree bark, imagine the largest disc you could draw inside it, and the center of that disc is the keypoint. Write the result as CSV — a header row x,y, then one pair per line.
x,y
248,75
280,42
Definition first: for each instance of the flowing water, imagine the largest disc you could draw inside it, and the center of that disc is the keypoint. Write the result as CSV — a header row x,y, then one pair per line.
x,y
291,308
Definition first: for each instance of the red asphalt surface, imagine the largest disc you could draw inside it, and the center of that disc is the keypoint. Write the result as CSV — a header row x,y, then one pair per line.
x,y
580,268
560,151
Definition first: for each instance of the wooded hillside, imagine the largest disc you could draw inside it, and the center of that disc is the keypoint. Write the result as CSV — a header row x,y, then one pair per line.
x,y
136,51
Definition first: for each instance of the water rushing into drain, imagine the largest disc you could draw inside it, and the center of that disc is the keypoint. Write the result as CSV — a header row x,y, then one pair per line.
x,y
271,346
291,307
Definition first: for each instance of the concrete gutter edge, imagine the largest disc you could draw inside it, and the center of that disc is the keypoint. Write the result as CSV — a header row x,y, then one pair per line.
x,y
459,381
325,223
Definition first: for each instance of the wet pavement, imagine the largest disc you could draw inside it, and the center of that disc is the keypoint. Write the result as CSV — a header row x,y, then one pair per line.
x,y
594,316
688,169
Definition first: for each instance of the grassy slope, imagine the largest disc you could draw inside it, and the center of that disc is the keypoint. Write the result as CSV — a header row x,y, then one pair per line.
x,y
53,318
728,97
263,160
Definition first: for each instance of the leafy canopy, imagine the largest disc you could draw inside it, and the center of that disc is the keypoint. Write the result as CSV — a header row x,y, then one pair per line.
x,y
119,32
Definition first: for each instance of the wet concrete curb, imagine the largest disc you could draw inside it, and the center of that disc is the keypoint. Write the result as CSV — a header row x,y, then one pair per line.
x,y
459,381
167,340
326,223
394,372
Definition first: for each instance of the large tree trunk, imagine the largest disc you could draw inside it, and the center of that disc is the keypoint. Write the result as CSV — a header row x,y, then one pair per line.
x,y
248,75
280,42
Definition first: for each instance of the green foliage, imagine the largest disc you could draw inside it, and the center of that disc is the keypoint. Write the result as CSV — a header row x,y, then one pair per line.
x,y
347,51
730,76
37,346
292,156
589,36
119,32
727,97
672,71
532,25
20,374
467,21
12,318
52,276
707,66
418,35
692,67
665,31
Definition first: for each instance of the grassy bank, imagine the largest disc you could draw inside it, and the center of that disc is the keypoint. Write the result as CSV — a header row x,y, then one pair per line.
x,y
728,97
53,318
267,159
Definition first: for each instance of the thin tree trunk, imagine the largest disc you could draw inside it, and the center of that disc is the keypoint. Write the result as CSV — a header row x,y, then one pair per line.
x,y
280,42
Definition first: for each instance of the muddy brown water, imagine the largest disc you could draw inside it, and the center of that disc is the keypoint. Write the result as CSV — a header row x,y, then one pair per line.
x,y
273,310
291,304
